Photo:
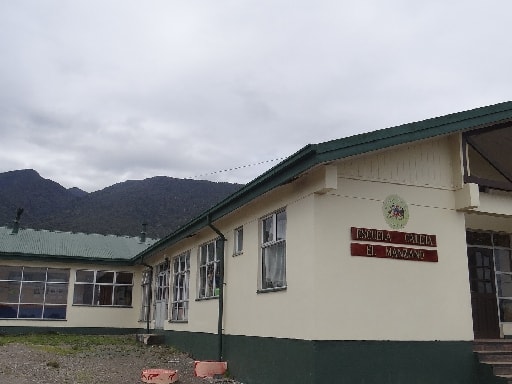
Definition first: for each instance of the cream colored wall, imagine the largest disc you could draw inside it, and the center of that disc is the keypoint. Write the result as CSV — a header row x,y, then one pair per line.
x,y
385,299
330,294
85,316
274,314
362,298
435,162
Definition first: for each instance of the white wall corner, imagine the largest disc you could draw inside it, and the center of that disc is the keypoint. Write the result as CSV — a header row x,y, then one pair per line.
x,y
330,181
468,197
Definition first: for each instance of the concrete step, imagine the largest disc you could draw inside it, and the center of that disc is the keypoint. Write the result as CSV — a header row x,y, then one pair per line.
x,y
502,369
495,357
499,345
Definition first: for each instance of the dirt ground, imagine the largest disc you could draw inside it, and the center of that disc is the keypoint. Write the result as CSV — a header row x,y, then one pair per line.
x,y
105,364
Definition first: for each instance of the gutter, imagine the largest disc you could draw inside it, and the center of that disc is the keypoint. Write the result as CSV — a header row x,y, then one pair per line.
x,y
220,252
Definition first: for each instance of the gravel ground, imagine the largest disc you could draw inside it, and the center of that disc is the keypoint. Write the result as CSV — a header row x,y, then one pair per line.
x,y
105,364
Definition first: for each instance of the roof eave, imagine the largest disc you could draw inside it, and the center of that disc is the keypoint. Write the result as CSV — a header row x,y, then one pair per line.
x,y
315,154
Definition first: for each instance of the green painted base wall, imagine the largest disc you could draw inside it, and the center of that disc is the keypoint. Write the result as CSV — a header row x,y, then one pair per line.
x,y
258,360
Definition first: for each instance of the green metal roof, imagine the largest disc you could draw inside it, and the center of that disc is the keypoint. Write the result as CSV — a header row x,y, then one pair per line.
x,y
69,247
315,154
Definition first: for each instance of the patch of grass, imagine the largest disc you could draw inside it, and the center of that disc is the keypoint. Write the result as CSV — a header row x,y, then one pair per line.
x,y
64,344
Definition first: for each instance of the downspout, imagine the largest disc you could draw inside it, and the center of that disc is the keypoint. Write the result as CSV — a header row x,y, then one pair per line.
x,y
220,253
149,293
142,239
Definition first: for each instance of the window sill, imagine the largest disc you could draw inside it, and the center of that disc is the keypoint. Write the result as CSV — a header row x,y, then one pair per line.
x,y
238,253
30,319
102,306
178,321
207,298
267,290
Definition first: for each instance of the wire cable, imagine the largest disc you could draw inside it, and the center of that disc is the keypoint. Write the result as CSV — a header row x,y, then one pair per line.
x,y
239,167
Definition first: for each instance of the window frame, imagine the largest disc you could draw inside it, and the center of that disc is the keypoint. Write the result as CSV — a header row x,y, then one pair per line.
x,y
272,239
104,289
180,297
204,292
44,305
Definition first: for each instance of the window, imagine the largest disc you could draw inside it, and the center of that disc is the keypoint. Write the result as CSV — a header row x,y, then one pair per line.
x,y
103,288
209,270
239,241
181,273
33,293
273,251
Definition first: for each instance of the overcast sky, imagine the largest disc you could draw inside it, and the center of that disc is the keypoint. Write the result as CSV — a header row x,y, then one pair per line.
x,y
94,92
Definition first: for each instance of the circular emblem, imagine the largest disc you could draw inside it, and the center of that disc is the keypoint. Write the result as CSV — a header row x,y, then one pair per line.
x,y
396,212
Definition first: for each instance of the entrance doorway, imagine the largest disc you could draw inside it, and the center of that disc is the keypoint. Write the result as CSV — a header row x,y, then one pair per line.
x,y
490,277
162,295
483,293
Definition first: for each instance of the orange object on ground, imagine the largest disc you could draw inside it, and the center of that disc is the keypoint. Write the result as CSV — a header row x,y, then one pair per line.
x,y
210,368
159,376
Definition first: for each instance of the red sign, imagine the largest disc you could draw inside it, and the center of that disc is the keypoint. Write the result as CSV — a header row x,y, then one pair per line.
x,y
393,237
389,252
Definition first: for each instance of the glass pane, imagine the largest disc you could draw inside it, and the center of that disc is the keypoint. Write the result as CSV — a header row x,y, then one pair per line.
x,y
501,240
239,240
504,285
281,225
58,275
478,238
123,295
85,276
83,294
124,278
211,251
32,293
274,267
506,310
203,252
10,273
8,311
503,259
34,274
56,312
202,282
56,293
105,277
9,291
30,311
103,295
267,229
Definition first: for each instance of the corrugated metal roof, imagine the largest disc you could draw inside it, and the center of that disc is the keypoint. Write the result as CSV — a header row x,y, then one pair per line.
x,y
71,246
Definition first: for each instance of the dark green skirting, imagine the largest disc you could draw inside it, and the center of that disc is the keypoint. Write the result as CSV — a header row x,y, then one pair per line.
x,y
259,360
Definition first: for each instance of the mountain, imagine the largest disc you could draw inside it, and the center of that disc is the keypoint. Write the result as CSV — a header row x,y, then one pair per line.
x,y
164,203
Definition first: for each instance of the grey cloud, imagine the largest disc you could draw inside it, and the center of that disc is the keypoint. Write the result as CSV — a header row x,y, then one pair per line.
x,y
93,92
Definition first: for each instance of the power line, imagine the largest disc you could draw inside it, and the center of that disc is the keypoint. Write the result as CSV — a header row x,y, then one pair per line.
x,y
239,167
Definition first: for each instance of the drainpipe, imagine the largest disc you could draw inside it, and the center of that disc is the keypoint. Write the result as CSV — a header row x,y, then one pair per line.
x,y
220,252
149,293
